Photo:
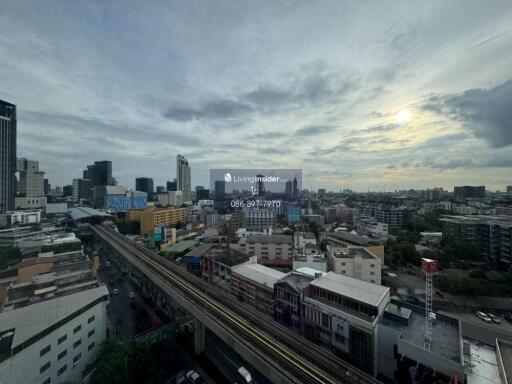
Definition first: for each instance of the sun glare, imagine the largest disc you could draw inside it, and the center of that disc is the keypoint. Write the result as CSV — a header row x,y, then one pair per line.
x,y
403,116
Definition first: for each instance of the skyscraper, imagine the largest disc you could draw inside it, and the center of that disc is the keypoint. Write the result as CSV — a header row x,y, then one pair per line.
x,y
100,173
172,185
295,193
145,184
289,191
31,183
183,177
220,190
7,155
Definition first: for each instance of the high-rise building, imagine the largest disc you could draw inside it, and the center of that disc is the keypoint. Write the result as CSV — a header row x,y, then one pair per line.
x,y
100,173
203,194
295,192
67,190
183,177
31,182
509,188
160,189
7,156
469,192
289,190
172,185
261,185
81,189
145,184
220,190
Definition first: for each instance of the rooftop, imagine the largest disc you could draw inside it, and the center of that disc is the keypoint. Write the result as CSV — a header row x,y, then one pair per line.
x,y
85,212
351,253
199,251
277,239
297,280
33,319
227,256
181,246
371,294
258,273
351,238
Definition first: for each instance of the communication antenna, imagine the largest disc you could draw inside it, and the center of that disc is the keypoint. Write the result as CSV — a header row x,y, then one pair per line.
x,y
430,268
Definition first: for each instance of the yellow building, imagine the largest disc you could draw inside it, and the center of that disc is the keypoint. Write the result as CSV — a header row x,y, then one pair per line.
x,y
151,217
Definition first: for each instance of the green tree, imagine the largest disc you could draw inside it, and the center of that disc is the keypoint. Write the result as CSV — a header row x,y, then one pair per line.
x,y
9,256
122,363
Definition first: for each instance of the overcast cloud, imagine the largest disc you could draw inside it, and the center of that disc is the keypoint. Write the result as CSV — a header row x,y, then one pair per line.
x,y
268,84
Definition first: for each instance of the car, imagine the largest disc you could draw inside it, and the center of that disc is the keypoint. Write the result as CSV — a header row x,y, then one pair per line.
x,y
483,316
494,318
194,377
131,295
508,317
115,291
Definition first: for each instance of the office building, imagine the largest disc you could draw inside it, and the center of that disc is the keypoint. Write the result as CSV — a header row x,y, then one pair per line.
x,y
469,192
434,194
152,217
321,191
101,194
53,320
67,191
371,227
288,190
47,187
254,284
170,198
392,216
145,184
100,173
295,192
202,194
356,262
505,210
183,177
172,185
31,182
121,202
81,190
292,213
509,188
7,156
220,190
22,217
309,256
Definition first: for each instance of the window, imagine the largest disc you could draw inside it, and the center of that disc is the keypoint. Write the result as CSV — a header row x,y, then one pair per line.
x,y
343,264
372,265
76,358
44,367
90,320
91,346
77,343
62,354
91,332
62,339
47,381
45,350
78,328
372,273
62,369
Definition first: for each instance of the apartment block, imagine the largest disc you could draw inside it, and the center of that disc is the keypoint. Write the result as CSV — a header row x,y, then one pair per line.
x,y
356,262
152,217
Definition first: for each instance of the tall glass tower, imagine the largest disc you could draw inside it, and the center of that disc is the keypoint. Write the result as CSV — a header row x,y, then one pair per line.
x,y
183,177
7,156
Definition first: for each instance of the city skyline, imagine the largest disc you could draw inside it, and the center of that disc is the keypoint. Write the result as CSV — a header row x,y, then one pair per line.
x,y
382,97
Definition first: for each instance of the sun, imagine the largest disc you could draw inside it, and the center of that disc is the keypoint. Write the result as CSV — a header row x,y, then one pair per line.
x,y
403,116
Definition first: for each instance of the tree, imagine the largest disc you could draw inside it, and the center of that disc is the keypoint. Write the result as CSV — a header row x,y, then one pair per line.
x,y
9,256
122,363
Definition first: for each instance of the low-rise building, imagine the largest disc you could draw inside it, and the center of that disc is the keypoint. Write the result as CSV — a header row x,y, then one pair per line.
x,y
254,284
346,239
271,250
53,320
152,217
357,262
22,217
341,314
217,262
310,257
170,198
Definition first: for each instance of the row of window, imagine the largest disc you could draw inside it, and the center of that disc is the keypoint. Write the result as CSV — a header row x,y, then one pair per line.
x,y
64,337
62,369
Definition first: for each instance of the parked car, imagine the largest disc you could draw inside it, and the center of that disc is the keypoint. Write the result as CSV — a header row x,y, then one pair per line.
x,y
194,377
508,317
494,318
115,291
483,316
131,295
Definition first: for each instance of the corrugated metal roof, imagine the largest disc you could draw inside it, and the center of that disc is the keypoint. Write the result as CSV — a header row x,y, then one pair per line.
x,y
359,290
258,273
84,212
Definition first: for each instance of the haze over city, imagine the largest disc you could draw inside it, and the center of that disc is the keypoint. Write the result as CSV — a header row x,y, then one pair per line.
x,y
386,96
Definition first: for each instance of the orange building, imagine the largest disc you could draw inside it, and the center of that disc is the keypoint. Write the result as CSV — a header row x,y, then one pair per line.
x,y
151,217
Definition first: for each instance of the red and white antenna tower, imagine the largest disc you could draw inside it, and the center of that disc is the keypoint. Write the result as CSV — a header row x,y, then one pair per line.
x,y
430,268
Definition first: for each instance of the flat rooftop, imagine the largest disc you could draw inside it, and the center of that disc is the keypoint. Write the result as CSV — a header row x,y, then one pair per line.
x,y
259,273
227,256
367,293
351,253
85,212
276,239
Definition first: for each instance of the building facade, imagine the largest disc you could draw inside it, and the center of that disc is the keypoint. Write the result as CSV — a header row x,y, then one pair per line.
x,y
183,177
7,156
152,217
145,184
356,262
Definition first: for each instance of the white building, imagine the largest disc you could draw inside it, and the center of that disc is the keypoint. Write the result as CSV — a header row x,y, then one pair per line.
x,y
300,239
357,262
310,257
371,227
259,219
23,217
171,198
270,249
183,177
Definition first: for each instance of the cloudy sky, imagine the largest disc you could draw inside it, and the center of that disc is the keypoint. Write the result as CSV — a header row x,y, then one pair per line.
x,y
365,95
